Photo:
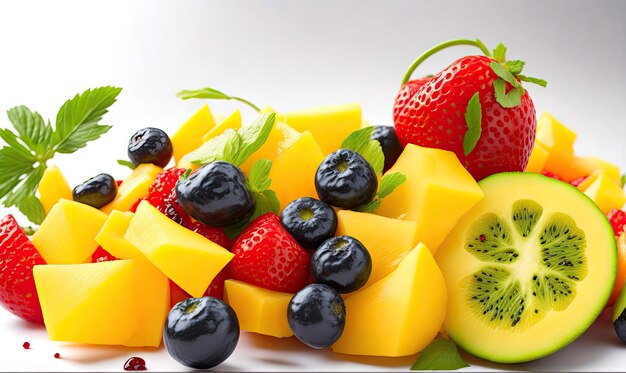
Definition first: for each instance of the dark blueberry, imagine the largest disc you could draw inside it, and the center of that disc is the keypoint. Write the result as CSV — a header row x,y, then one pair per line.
x,y
150,145
216,194
98,191
317,315
345,179
620,326
386,136
309,221
201,333
343,263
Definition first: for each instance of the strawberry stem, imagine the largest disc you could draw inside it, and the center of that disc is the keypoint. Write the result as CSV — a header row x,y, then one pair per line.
x,y
450,43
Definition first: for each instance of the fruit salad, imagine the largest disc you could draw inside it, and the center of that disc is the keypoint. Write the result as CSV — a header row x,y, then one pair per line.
x,y
470,223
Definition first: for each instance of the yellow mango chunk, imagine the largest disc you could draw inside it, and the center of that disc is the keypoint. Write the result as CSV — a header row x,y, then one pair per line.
x,y
438,190
189,135
398,315
52,188
89,303
233,121
330,125
111,236
67,235
133,188
280,138
259,310
387,240
605,193
612,170
538,159
553,135
568,167
185,257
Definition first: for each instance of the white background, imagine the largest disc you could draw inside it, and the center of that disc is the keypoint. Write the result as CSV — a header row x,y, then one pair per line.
x,y
293,55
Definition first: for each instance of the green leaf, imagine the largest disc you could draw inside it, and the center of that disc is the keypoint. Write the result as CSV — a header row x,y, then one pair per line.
x,y
14,143
185,175
78,119
514,66
32,208
32,129
13,163
623,180
265,202
125,163
27,187
440,354
212,94
360,142
389,183
253,137
370,207
499,53
259,175
222,147
473,120
530,79
504,73
507,100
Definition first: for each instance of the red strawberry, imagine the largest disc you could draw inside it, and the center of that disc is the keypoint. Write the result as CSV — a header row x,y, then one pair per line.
x,y
266,255
101,255
215,289
407,91
18,256
578,181
162,195
435,116
618,221
550,174
214,234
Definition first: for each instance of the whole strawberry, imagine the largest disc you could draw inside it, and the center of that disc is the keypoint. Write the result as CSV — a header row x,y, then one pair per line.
x,y
476,108
18,256
267,255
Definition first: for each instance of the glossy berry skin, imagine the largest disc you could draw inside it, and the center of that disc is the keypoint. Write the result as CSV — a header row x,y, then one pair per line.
x,y
309,221
342,263
406,92
201,333
617,218
386,136
18,256
96,192
317,315
435,117
135,363
620,326
345,179
216,194
150,145
267,256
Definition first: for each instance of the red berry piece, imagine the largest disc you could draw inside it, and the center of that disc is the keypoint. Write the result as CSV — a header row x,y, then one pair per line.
x,y
550,174
216,288
618,221
18,256
26,345
57,355
135,363
267,255
101,255
578,181
162,195
214,234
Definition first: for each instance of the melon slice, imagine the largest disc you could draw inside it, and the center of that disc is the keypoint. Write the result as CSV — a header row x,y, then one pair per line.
x,y
52,188
189,135
528,269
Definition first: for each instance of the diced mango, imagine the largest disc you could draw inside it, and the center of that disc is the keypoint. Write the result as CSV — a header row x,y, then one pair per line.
x,y
387,240
330,125
398,315
111,236
52,188
233,121
89,303
604,192
280,138
259,310
67,235
612,170
438,190
538,159
133,188
186,257
189,135
568,167
553,135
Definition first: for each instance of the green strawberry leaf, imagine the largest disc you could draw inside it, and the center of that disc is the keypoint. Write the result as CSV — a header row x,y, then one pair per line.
x,y
623,180
507,100
220,148
530,79
440,354
514,66
125,163
31,128
499,53
503,73
253,137
473,120
212,94
32,208
388,184
259,175
360,142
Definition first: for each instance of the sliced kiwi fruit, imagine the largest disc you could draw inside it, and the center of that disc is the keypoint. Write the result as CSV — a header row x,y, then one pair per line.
x,y
528,269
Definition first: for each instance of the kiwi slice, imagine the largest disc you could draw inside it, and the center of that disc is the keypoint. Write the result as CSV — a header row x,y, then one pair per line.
x,y
528,269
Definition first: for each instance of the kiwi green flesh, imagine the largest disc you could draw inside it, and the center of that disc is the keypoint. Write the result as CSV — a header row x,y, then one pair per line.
x,y
532,264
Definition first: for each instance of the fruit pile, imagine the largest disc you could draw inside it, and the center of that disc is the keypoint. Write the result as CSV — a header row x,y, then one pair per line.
x,y
368,240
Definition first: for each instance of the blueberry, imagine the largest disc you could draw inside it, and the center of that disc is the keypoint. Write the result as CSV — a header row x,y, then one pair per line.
x,y
216,194
386,136
343,263
345,179
309,221
97,192
317,315
150,145
201,333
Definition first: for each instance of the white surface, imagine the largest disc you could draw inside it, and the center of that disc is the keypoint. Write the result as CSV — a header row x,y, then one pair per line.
x,y
293,55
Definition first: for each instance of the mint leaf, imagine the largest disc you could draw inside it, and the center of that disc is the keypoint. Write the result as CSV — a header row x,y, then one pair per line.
x,y
440,354
623,180
125,163
78,119
388,184
222,147
360,142
32,208
185,175
499,53
530,79
259,175
473,120
369,207
11,139
27,186
507,100
503,73
254,136
265,202
212,94
515,66
31,127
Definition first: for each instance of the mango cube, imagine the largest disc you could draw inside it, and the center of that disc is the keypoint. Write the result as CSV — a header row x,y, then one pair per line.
x,y
553,135
185,257
259,310
387,240
133,188
438,190
111,236
398,315
538,159
233,121
612,170
189,135
330,125
280,138
604,192
67,235
52,188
